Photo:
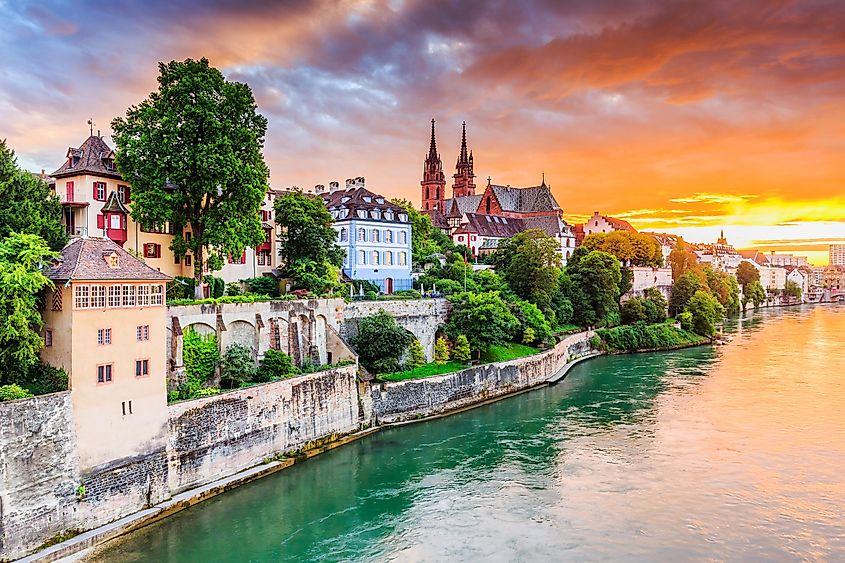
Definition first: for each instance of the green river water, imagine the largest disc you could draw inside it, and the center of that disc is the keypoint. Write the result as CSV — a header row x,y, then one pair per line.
x,y
728,453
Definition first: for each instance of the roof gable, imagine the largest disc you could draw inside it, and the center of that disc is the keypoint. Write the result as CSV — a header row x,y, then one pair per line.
x,y
84,259
91,158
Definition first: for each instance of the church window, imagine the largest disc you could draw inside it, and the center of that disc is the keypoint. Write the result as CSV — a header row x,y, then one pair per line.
x,y
488,205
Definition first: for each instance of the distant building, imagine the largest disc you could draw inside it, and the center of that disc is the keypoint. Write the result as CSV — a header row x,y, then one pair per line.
x,y
836,256
479,221
602,224
104,323
779,259
374,233
721,256
667,243
96,201
646,277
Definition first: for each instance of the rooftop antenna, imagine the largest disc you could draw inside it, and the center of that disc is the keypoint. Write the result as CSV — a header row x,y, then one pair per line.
x,y
91,125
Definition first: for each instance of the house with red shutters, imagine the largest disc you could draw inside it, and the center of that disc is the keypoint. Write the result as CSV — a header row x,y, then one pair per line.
x,y
97,201
479,220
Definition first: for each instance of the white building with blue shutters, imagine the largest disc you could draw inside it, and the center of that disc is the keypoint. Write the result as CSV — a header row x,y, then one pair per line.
x,y
375,234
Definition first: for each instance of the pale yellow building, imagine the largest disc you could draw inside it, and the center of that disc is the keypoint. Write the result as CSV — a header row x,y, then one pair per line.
x,y
104,323
96,201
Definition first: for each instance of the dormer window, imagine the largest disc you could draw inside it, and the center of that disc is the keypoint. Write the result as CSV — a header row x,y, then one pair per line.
x,y
368,199
376,214
113,260
344,199
362,214
388,215
380,200
403,217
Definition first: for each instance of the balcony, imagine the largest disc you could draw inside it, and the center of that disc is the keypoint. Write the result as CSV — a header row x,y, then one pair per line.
x,y
68,199
77,231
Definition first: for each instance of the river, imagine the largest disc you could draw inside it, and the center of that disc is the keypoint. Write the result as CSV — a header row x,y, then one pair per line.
x,y
728,453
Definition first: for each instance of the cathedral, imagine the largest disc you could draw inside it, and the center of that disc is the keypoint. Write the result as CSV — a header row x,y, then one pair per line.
x,y
480,221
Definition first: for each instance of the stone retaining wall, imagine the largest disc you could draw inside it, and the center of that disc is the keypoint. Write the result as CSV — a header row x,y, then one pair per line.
x,y
407,400
217,436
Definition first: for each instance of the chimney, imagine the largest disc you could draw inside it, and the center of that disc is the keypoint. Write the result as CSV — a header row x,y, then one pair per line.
x,y
319,188
350,183
359,182
334,186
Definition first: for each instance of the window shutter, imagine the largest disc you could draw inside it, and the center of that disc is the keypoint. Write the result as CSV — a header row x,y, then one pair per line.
x,y
94,195
101,221
127,197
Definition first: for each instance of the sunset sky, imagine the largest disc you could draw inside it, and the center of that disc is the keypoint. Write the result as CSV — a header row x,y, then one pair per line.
x,y
683,117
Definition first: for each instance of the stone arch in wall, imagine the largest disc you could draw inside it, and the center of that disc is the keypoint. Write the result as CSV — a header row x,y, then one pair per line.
x,y
201,328
276,335
241,332
320,338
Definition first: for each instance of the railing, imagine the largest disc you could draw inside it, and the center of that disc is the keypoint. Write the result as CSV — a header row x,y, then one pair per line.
x,y
77,231
67,197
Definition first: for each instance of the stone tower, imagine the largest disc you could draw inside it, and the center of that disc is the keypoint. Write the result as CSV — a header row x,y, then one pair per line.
x,y
464,184
434,181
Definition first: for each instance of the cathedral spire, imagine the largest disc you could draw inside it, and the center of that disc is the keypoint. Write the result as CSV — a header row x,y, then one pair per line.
x,y
464,184
434,180
432,149
463,159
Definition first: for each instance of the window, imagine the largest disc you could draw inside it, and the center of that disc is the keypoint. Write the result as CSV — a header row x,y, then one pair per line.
x,y
403,237
188,236
343,234
104,373
143,295
142,333
362,235
152,250
403,258
142,368
123,405
100,191
388,258
188,260
128,295
123,194
69,191
80,297
48,337
375,258
375,235
114,295
264,258
388,236
238,259
103,336
156,294
98,297
176,259
362,257
166,229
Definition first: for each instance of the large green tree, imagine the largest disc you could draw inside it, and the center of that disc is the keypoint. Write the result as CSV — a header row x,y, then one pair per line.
x,y
26,204
746,273
685,287
483,317
753,292
307,246
706,312
380,342
595,280
682,259
22,259
724,287
529,262
193,154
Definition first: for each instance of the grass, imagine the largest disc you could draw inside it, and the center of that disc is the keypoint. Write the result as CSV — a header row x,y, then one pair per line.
x,y
496,353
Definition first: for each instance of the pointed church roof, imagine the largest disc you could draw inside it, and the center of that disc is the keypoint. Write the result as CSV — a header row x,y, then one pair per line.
x,y
463,158
524,200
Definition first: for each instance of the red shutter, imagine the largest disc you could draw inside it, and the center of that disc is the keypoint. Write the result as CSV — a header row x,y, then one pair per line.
x,y
158,251
94,195
127,196
243,257
101,221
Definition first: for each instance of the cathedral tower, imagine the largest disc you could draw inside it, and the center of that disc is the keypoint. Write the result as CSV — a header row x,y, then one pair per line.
x,y
434,181
464,184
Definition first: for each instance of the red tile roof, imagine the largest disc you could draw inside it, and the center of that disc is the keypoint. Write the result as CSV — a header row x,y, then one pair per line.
x,y
84,259
93,157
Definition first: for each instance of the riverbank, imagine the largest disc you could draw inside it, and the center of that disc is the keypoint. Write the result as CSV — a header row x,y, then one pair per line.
x,y
627,339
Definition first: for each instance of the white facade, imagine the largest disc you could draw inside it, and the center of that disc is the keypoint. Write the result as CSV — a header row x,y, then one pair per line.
x,y
786,260
771,277
837,255
645,278
600,224
802,280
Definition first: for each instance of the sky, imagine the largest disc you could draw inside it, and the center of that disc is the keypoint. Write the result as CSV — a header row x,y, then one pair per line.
x,y
683,117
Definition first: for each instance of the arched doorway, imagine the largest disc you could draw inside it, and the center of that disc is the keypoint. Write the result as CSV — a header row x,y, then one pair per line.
x,y
388,285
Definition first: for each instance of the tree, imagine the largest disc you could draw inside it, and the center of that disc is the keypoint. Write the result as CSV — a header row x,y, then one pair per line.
x,y
561,303
192,153
26,204
462,351
484,317
724,287
682,259
529,262
633,311
655,306
531,319
684,288
276,365
792,289
746,273
706,312
631,249
441,351
307,247
595,293
237,366
201,357
22,259
425,238
380,342
416,355
755,293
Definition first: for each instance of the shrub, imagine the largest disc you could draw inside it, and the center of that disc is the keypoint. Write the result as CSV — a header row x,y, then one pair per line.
x,y
263,285
380,342
633,311
371,295
706,313
685,319
43,378
629,338
530,316
12,392
181,287
201,358
595,342
408,294
416,355
484,317
461,351
655,306
233,288
275,365
216,286
528,335
206,392
441,351
238,366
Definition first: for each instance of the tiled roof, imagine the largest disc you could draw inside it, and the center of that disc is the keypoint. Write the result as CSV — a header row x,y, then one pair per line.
x,y
665,239
755,256
92,157
114,205
437,218
84,259
491,225
620,225
457,206
361,199
533,198
552,225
